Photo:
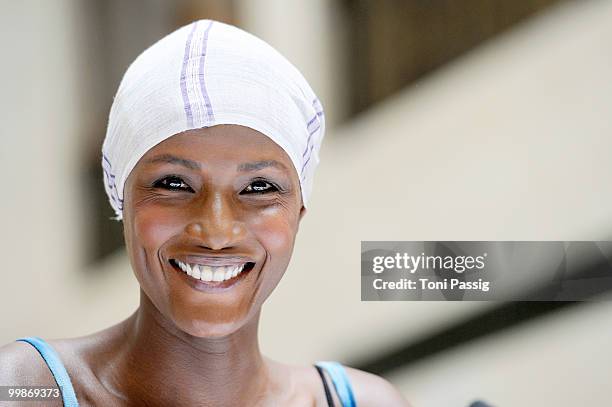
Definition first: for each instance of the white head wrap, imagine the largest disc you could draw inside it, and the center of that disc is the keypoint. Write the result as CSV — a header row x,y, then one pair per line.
x,y
204,74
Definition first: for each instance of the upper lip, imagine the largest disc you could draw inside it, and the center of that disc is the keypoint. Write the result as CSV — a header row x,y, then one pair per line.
x,y
213,260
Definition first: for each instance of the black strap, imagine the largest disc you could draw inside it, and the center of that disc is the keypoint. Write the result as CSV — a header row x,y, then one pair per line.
x,y
328,395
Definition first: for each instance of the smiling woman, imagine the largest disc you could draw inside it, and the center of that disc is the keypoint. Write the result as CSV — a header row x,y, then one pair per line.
x,y
211,211
209,157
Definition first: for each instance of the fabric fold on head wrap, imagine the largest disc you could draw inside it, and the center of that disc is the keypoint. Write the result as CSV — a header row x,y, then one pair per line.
x,y
205,74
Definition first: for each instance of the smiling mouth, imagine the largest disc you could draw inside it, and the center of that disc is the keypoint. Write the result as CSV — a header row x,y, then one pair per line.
x,y
218,275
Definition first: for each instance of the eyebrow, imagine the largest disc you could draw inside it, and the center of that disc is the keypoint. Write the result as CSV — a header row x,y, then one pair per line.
x,y
194,165
258,165
171,159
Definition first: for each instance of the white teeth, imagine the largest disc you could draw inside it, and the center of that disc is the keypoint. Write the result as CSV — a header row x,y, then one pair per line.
x,y
239,269
209,273
206,273
195,272
218,273
229,272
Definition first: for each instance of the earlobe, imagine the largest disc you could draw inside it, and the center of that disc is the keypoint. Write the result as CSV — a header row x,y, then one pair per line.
x,y
302,213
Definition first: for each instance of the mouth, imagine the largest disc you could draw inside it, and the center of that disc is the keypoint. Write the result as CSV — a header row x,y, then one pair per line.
x,y
212,274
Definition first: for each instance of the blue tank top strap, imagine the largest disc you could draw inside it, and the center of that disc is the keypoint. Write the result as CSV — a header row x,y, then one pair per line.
x,y
341,382
57,368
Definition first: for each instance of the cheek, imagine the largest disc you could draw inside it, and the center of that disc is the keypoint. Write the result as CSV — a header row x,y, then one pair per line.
x,y
150,230
275,229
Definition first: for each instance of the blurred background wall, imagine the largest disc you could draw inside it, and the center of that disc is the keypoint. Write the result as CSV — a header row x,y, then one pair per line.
x,y
450,120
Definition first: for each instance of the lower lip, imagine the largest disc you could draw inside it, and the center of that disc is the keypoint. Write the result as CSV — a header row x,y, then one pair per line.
x,y
212,286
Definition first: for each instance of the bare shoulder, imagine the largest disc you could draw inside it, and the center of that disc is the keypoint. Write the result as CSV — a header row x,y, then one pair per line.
x,y
19,367
371,390
21,364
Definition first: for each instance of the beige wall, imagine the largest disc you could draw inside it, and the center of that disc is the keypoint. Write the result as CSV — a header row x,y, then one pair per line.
x,y
560,360
41,203
509,143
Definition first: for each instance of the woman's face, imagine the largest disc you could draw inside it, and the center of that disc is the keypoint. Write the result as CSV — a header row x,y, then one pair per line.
x,y
218,201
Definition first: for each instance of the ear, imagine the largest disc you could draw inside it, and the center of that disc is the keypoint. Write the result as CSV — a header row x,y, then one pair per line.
x,y
302,213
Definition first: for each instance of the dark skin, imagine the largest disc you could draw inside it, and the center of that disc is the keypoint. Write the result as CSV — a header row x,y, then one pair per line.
x,y
225,193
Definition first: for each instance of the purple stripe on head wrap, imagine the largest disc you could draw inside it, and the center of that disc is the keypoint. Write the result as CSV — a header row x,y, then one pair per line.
x,y
109,177
306,162
209,111
188,111
311,121
309,138
307,154
106,165
193,91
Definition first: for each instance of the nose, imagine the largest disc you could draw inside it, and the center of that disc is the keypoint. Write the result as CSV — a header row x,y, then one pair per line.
x,y
215,222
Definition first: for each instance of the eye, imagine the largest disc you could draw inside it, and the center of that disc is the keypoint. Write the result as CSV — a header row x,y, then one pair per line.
x,y
259,187
172,183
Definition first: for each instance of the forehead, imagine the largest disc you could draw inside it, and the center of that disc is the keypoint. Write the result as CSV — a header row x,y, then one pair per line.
x,y
221,145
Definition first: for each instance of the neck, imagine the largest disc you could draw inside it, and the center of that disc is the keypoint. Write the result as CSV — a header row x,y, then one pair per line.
x,y
162,365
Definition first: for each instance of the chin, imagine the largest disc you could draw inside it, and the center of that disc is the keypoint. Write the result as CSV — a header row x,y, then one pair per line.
x,y
203,329
208,328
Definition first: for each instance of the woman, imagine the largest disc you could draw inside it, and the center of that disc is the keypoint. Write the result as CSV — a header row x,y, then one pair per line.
x,y
211,147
